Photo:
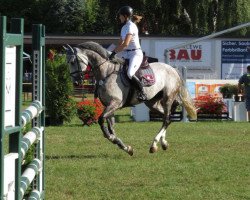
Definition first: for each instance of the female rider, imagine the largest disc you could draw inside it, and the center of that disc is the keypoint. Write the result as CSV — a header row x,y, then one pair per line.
x,y
130,47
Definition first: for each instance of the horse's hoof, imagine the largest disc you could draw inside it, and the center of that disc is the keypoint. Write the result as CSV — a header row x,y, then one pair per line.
x,y
130,151
153,149
164,146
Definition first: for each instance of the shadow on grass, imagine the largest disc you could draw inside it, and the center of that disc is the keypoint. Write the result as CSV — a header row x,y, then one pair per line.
x,y
74,125
55,157
118,119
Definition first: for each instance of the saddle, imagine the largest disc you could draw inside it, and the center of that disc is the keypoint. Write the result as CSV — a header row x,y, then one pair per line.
x,y
144,73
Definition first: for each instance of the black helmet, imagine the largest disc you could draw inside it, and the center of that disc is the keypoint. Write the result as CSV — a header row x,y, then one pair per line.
x,y
126,10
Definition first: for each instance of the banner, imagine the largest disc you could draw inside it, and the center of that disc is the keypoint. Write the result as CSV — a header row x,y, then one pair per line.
x,y
194,56
10,86
204,89
191,88
235,56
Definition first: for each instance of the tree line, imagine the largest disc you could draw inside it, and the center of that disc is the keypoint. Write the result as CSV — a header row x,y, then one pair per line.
x,y
159,17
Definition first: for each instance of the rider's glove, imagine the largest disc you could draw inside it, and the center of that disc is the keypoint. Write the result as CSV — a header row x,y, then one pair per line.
x,y
112,55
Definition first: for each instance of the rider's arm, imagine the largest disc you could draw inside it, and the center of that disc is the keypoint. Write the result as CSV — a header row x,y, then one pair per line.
x,y
124,43
120,41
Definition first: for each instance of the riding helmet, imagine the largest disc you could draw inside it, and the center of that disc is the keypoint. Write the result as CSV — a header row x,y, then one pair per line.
x,y
126,10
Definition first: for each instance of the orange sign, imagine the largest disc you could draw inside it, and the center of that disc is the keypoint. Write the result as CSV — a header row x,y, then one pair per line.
x,y
202,89
214,90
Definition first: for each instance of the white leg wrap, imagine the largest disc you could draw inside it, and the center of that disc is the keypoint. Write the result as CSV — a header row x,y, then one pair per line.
x,y
163,137
158,137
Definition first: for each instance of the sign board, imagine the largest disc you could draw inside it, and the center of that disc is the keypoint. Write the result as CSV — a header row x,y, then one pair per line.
x,y
10,86
235,56
9,175
194,56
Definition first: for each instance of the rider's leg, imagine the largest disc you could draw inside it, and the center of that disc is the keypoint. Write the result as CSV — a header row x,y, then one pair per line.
x,y
135,59
139,87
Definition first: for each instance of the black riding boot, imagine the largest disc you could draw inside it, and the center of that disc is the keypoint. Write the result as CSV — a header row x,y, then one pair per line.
x,y
141,95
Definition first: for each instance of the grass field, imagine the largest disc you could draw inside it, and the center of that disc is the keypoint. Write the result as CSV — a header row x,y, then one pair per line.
x,y
206,160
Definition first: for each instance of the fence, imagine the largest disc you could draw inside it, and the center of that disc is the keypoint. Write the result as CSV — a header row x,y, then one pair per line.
x,y
14,184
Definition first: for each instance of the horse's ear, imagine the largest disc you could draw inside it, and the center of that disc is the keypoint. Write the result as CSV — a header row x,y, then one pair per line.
x,y
65,48
70,48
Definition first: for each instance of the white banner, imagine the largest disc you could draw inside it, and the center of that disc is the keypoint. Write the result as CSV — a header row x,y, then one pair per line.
x,y
10,86
194,56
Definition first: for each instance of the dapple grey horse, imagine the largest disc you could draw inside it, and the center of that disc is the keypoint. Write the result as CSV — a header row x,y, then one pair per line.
x,y
114,94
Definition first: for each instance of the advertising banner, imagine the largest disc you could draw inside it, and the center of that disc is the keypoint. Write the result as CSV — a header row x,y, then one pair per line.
x,y
215,90
235,56
10,86
194,56
204,89
191,88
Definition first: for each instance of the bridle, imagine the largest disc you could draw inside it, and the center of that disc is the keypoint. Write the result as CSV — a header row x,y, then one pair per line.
x,y
73,56
76,59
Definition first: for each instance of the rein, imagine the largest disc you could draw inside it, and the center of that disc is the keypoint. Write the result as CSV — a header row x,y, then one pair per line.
x,y
114,71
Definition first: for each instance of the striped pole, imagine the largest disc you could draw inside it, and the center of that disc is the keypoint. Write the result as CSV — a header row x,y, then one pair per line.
x,y
29,175
29,138
31,112
35,195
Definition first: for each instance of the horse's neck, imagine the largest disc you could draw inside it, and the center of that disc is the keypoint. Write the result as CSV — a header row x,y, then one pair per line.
x,y
103,67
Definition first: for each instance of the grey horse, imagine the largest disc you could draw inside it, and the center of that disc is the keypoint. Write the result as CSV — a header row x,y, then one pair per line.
x,y
114,94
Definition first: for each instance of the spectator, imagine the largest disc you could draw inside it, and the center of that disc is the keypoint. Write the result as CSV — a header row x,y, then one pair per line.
x,y
245,80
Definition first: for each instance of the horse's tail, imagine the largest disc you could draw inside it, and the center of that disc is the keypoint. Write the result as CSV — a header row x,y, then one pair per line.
x,y
187,102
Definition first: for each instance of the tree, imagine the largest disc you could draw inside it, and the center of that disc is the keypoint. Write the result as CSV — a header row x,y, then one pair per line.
x,y
64,16
232,13
90,14
160,17
18,9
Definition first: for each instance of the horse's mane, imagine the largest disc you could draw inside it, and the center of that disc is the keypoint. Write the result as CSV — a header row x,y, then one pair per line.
x,y
95,47
100,50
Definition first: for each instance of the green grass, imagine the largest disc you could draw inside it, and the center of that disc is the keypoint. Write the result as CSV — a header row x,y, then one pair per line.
x,y
206,160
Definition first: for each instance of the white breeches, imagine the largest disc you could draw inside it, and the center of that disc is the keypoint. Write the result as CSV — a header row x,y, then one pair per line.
x,y
135,60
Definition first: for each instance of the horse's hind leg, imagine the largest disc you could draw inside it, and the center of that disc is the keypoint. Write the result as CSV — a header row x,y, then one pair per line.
x,y
163,108
161,136
164,143
109,132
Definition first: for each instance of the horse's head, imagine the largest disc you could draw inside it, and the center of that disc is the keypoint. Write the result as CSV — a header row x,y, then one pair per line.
x,y
78,63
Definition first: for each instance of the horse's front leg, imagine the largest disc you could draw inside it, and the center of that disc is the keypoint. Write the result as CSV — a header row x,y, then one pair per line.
x,y
109,132
111,123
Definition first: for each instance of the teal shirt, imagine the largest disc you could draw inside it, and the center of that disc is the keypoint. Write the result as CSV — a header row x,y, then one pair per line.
x,y
245,79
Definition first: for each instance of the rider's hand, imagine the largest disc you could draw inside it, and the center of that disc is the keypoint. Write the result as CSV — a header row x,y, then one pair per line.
x,y
112,55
